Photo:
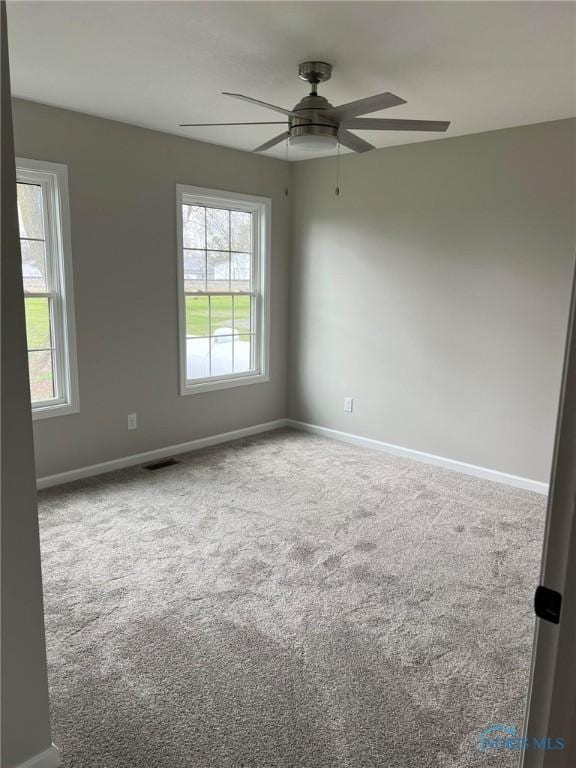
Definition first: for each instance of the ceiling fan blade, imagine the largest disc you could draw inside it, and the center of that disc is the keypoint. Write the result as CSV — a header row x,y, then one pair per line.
x,y
200,125
364,106
264,104
378,124
272,142
348,139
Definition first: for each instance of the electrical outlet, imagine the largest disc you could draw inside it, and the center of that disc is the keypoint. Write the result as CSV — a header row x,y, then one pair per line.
x,y
348,403
132,421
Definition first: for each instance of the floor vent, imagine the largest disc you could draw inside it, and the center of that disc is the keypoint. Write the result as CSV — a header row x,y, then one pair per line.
x,y
161,464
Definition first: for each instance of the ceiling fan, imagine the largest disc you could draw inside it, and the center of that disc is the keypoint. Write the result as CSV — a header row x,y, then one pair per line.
x,y
314,125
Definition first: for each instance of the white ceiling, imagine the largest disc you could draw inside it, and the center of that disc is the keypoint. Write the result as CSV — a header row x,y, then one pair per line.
x,y
482,65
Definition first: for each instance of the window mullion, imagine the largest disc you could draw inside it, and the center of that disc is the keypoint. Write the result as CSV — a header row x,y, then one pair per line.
x,y
54,306
234,334
229,252
40,295
207,293
205,250
255,304
51,255
209,334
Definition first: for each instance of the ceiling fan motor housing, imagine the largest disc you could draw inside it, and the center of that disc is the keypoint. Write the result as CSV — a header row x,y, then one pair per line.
x,y
315,123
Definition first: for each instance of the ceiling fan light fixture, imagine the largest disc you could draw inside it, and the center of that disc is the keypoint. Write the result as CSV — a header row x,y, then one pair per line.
x,y
314,143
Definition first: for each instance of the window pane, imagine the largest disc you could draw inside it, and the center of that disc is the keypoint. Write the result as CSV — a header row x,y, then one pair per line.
x,y
194,270
222,352
242,313
241,231
221,315
33,266
218,271
218,229
197,358
240,274
41,375
38,323
242,353
30,211
194,235
197,316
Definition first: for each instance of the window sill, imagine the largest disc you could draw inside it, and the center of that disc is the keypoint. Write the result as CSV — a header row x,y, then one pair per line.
x,y
48,411
188,388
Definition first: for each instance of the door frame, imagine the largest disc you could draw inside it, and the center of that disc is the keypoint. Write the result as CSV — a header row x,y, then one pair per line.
x,y
551,707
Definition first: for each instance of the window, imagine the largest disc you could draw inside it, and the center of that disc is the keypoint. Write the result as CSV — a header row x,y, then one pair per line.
x,y
224,246
43,216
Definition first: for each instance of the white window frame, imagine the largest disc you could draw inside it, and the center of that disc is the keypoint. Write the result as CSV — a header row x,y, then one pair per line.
x,y
261,210
53,178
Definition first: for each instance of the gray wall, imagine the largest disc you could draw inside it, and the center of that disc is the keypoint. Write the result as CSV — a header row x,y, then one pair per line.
x,y
123,217
25,724
435,291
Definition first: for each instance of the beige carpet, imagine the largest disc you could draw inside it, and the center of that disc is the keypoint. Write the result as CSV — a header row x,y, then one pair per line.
x,y
287,602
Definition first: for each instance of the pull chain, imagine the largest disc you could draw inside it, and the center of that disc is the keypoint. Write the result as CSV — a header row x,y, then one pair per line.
x,y
287,145
337,190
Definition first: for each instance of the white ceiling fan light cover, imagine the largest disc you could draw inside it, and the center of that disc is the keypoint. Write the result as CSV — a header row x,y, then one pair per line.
x,y
313,144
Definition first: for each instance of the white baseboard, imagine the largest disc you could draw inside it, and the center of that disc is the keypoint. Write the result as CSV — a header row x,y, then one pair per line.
x,y
50,758
160,453
427,458
226,437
